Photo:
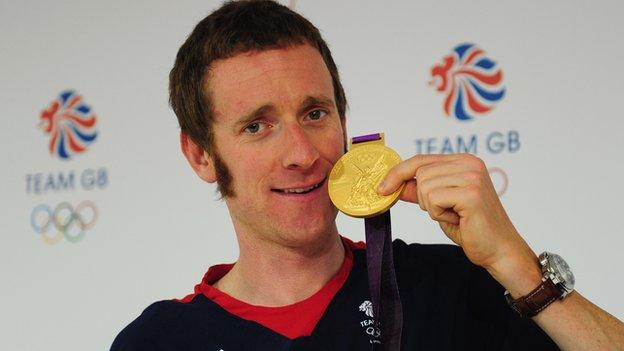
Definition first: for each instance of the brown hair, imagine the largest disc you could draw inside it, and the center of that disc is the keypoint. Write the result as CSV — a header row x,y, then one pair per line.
x,y
236,27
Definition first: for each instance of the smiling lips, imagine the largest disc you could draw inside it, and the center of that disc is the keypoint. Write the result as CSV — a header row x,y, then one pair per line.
x,y
304,190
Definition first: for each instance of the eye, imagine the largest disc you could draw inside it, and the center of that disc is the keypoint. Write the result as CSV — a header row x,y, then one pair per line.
x,y
255,127
316,114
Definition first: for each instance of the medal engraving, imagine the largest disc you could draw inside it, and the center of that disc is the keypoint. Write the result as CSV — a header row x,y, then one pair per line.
x,y
354,179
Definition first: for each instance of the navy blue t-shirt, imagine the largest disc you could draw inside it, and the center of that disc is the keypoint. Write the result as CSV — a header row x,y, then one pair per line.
x,y
448,304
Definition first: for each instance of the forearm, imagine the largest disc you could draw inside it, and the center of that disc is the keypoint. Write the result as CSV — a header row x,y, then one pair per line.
x,y
573,323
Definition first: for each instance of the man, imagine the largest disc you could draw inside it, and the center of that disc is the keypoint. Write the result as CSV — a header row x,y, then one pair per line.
x,y
262,114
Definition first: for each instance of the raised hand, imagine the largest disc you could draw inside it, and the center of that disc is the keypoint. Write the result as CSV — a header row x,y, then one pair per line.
x,y
456,191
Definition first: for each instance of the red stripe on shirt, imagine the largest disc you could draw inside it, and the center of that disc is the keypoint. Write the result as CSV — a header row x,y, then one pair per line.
x,y
280,319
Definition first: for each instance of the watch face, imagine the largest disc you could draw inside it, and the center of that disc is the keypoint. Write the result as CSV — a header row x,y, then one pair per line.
x,y
562,271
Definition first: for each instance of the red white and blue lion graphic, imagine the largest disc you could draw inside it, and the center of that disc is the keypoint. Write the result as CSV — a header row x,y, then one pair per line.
x,y
470,81
70,123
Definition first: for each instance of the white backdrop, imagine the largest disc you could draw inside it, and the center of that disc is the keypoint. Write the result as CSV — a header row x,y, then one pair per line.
x,y
159,227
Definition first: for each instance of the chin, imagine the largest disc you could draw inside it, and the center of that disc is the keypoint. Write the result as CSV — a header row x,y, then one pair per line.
x,y
310,232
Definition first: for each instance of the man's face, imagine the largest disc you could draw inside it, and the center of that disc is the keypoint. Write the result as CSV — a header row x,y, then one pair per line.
x,y
277,130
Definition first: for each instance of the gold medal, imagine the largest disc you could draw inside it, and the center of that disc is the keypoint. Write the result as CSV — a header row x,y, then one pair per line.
x,y
355,177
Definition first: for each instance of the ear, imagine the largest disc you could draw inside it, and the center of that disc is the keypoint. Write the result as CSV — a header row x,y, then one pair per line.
x,y
198,158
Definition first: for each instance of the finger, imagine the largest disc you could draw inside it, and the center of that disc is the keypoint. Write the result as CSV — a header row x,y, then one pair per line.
x,y
461,179
445,216
441,169
410,193
442,203
428,185
422,200
407,169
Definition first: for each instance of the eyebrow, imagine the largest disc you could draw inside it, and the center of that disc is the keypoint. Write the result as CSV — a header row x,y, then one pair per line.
x,y
305,104
255,114
310,101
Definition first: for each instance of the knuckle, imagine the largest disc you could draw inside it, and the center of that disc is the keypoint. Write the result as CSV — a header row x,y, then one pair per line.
x,y
431,200
478,163
436,213
430,197
474,161
403,169
477,178
472,176
433,216
473,193
433,197
420,172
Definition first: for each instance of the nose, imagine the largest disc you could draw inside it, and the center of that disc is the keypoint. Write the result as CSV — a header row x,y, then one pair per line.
x,y
298,149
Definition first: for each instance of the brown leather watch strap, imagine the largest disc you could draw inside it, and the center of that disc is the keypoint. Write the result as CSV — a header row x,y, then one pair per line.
x,y
535,301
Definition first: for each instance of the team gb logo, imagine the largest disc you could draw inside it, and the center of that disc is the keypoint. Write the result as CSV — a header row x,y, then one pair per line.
x,y
70,123
367,307
471,82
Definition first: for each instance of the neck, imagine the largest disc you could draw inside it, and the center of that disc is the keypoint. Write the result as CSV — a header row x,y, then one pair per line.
x,y
273,274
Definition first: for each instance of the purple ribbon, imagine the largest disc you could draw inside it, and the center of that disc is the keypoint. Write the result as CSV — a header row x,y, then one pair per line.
x,y
387,309
365,138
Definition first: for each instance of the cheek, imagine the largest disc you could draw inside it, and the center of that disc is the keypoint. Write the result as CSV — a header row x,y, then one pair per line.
x,y
335,145
252,169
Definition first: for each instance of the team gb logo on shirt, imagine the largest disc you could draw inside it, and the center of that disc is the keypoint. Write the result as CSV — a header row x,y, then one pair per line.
x,y
367,308
471,82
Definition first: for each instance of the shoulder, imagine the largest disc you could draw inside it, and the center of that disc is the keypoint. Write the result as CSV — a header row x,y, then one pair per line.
x,y
164,322
153,328
140,332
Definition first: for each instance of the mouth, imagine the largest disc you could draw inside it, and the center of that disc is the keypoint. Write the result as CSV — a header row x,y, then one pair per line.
x,y
301,190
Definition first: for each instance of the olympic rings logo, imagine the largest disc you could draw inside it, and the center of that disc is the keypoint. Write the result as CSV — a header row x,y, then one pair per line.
x,y
63,221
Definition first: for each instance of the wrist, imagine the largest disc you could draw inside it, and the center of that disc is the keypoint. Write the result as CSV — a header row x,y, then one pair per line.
x,y
557,282
518,273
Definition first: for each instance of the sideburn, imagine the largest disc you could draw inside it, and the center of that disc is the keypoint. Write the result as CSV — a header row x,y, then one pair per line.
x,y
224,177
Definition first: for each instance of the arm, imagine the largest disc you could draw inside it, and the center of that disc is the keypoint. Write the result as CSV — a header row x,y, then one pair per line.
x,y
457,192
574,323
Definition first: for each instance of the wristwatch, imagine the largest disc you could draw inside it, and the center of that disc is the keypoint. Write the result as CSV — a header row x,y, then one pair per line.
x,y
557,283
